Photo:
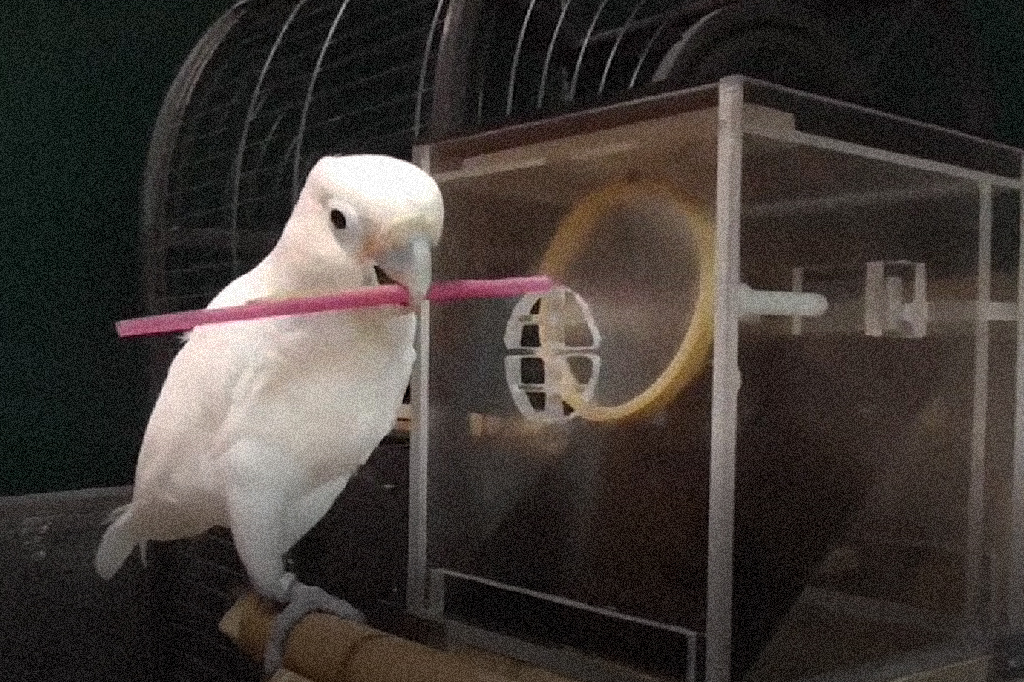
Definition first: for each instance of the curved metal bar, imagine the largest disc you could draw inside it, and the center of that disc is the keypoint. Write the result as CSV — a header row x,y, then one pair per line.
x,y
646,51
449,106
481,80
418,112
670,58
515,58
161,153
551,52
250,113
297,159
618,41
583,50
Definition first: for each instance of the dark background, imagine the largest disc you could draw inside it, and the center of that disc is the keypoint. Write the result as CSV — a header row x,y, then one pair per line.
x,y
80,87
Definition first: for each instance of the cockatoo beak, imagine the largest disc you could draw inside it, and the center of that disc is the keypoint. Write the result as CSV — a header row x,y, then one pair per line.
x,y
409,265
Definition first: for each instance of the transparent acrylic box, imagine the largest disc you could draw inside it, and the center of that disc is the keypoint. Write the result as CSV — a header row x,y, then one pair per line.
x,y
765,427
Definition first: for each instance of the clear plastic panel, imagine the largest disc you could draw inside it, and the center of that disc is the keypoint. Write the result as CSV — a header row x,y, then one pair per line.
x,y
605,510
1001,472
858,510
570,435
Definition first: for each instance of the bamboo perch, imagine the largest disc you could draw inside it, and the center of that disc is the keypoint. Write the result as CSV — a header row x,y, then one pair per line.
x,y
324,648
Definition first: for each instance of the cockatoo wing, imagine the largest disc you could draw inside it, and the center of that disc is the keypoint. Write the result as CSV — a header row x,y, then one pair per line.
x,y
178,482
304,421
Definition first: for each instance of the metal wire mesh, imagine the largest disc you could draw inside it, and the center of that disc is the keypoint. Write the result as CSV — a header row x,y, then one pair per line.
x,y
275,85
192,583
539,56
280,86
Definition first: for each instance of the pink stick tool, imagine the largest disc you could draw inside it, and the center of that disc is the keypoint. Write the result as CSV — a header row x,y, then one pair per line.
x,y
364,297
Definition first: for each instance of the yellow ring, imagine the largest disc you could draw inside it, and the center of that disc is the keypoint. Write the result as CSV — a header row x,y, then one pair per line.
x,y
691,357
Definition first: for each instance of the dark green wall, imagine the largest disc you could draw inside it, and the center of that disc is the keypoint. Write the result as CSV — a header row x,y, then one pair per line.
x,y
80,86
1000,24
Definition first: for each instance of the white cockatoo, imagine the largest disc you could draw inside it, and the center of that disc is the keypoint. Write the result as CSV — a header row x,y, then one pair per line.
x,y
260,424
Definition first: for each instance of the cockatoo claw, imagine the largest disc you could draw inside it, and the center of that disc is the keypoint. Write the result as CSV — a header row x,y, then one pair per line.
x,y
302,600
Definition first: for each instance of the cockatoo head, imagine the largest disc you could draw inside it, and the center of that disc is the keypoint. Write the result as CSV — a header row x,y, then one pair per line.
x,y
380,210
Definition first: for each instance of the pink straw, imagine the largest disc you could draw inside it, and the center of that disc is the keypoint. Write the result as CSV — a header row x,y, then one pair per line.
x,y
385,294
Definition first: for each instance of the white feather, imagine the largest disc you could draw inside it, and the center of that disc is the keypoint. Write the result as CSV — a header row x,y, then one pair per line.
x,y
260,424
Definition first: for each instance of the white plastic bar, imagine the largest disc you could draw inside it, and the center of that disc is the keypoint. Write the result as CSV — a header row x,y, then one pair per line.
x,y
419,386
480,166
916,311
1002,311
1015,584
781,303
960,311
874,312
416,578
976,492
725,381
852,200
853,149
437,584
798,287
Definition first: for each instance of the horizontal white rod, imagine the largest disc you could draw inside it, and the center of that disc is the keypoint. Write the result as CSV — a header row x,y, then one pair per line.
x,y
783,303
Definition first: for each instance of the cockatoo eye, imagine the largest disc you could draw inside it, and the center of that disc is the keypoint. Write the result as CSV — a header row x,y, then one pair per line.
x,y
339,220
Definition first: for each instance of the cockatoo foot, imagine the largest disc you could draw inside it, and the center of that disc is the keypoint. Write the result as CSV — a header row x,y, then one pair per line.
x,y
302,600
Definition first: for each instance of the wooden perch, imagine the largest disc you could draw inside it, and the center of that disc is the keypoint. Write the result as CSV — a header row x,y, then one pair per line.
x,y
324,648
